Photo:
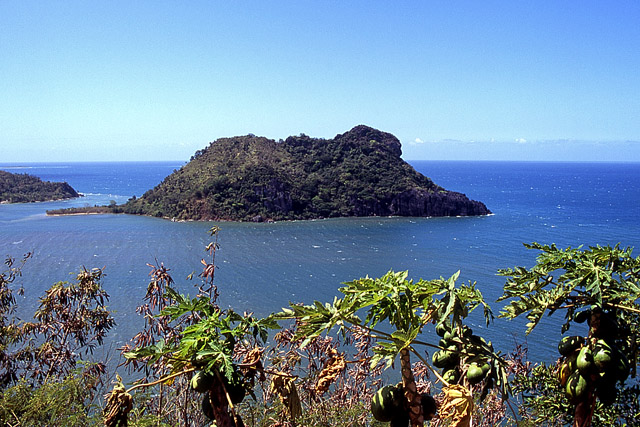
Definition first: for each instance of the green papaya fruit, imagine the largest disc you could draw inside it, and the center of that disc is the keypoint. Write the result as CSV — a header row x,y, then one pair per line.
x,y
622,369
207,408
581,316
444,358
606,387
571,360
576,387
486,367
451,376
475,374
602,358
448,335
429,407
234,387
199,361
441,328
386,403
201,381
584,362
568,345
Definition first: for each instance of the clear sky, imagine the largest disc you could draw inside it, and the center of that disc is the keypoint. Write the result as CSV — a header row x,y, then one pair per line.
x,y
154,80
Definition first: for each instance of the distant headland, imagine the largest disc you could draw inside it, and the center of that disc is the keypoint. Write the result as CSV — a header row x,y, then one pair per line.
x,y
248,178
23,188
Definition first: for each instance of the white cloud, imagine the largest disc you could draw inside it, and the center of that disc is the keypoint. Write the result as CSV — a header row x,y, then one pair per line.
x,y
521,140
418,141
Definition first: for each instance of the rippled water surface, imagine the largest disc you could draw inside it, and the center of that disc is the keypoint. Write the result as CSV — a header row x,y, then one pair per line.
x,y
264,266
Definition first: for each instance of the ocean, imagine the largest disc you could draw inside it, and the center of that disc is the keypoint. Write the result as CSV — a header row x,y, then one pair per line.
x,y
262,267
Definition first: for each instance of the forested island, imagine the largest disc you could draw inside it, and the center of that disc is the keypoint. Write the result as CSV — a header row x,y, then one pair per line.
x,y
250,178
21,188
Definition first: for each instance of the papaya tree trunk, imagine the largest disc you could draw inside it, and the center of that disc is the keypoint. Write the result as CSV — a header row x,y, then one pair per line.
x,y
413,398
584,411
220,404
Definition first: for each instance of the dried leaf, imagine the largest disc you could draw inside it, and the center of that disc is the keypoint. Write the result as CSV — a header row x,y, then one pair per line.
x,y
457,405
118,405
284,386
332,368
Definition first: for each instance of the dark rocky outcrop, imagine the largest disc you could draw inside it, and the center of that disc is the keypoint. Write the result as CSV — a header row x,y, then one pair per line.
x,y
249,178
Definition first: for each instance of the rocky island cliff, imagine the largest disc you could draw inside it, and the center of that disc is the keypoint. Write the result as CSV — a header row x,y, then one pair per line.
x,y
22,188
250,178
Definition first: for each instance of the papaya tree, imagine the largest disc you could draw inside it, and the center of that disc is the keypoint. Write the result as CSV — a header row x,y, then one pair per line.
x,y
191,345
599,286
397,310
205,351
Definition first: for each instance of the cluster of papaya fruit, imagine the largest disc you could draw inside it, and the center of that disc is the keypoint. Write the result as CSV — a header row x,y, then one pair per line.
x,y
464,355
596,363
209,382
390,405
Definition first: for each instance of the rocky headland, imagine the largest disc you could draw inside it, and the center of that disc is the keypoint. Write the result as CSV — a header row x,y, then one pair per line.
x,y
250,178
22,188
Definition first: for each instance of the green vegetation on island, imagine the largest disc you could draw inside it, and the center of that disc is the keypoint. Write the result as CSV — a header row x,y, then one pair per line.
x,y
21,188
250,178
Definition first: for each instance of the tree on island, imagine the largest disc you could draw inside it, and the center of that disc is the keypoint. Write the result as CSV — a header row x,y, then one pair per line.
x,y
21,188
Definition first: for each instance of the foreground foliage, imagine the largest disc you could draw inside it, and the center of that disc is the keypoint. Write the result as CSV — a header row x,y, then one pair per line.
x,y
408,307
599,286
198,363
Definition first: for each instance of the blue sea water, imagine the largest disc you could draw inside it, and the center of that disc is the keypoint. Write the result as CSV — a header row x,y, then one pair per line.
x,y
261,267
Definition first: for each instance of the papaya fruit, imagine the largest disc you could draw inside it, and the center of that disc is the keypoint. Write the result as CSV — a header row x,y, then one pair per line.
x,y
486,367
606,387
201,381
571,360
444,358
622,368
386,403
602,358
581,316
441,328
451,375
563,374
207,408
234,387
584,362
475,374
576,386
199,361
568,345
429,406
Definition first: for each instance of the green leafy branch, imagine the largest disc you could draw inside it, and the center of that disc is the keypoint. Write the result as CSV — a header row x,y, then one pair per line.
x,y
406,305
210,341
569,279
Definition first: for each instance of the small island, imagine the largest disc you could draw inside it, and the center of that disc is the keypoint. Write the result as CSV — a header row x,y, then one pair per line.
x,y
249,178
23,188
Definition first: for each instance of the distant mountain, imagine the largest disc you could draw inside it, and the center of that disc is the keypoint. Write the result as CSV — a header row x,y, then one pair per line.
x,y
19,188
250,178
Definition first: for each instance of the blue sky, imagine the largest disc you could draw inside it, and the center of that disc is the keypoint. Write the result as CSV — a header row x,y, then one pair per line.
x,y
478,80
